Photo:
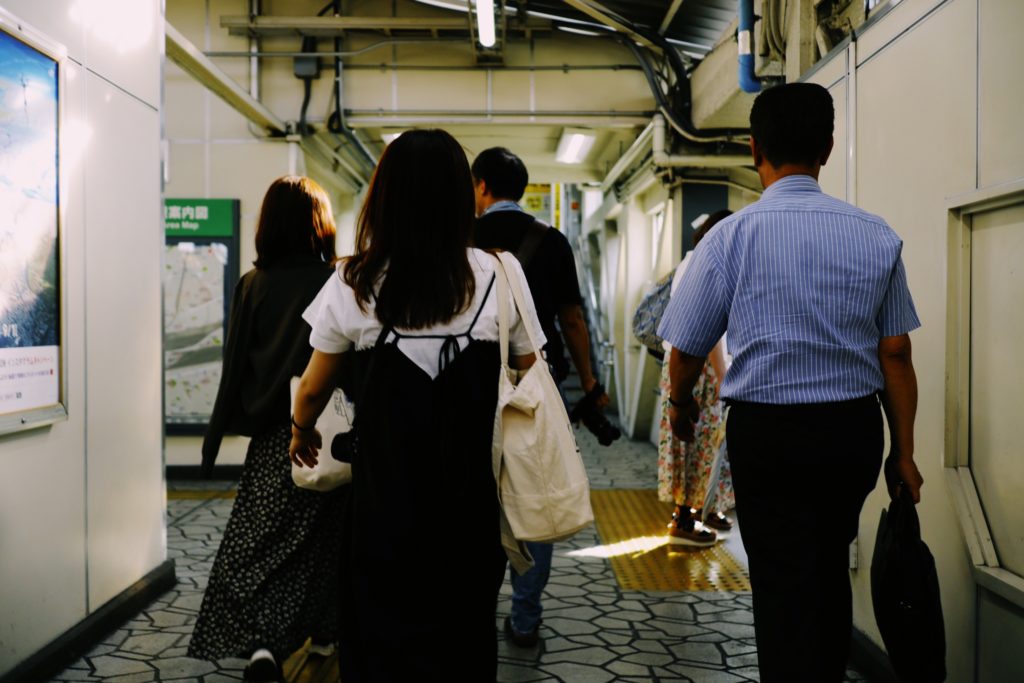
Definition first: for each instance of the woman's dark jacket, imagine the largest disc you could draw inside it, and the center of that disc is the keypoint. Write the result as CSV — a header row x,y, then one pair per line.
x,y
267,344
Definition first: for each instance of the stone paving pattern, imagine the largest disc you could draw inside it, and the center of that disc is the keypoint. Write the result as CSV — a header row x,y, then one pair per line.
x,y
593,632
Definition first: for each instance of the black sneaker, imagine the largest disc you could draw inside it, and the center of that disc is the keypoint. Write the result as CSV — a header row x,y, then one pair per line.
x,y
521,639
263,668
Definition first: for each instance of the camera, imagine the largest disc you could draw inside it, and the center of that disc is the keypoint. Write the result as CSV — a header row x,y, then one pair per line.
x,y
588,412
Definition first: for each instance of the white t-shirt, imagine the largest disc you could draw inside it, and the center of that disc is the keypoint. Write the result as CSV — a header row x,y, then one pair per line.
x,y
339,325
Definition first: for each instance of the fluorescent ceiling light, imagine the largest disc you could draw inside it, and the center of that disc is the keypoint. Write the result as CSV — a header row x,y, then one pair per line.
x,y
574,146
580,31
388,138
485,22
445,4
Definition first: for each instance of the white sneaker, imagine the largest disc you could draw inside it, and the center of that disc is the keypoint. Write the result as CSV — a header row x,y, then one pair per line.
x,y
262,668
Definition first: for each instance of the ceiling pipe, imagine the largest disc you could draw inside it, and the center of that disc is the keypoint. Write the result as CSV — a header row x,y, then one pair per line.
x,y
662,159
635,152
749,82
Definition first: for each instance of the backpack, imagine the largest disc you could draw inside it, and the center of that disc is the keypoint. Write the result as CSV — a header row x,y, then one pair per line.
x,y
648,314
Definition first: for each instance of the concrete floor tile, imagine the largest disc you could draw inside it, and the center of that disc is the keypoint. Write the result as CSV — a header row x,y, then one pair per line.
x,y
705,653
133,678
596,656
579,673
106,666
649,658
76,675
700,675
182,667
571,626
149,644
627,669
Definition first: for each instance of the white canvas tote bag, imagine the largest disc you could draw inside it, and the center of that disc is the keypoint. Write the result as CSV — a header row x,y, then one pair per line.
x,y
542,483
328,474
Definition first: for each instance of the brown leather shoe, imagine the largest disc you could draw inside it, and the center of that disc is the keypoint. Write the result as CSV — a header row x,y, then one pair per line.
x,y
691,533
717,521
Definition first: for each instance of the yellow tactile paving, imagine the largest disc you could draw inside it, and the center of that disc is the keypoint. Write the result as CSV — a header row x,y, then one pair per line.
x,y
632,524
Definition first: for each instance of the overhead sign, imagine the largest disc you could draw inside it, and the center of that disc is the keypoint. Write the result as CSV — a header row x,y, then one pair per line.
x,y
201,217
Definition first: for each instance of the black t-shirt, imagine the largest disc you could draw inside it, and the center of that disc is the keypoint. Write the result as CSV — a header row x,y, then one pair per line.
x,y
551,273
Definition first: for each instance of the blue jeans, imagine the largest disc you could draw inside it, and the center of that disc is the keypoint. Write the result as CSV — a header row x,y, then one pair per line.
x,y
527,589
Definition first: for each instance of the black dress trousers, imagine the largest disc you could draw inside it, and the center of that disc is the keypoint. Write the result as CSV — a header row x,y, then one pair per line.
x,y
801,475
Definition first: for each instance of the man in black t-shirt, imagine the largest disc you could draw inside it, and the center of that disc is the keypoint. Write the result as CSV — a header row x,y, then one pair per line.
x,y
500,178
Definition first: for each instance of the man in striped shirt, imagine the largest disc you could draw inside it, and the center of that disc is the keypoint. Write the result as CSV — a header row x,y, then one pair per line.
x,y
814,296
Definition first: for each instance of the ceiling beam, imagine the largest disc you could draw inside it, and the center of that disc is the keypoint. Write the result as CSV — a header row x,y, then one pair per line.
x,y
669,16
606,17
182,52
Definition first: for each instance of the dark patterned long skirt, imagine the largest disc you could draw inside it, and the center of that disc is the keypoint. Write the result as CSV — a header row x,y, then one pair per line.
x,y
274,580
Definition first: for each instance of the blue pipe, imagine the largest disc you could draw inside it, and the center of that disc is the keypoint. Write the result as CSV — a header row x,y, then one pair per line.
x,y
749,82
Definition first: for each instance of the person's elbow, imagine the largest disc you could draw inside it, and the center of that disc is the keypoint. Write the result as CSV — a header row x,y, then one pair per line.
x,y
571,318
895,350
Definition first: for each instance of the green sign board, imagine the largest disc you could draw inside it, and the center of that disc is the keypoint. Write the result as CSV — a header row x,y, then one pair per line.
x,y
201,217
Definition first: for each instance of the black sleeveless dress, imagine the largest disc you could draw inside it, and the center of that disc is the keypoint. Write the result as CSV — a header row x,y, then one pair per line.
x,y
422,557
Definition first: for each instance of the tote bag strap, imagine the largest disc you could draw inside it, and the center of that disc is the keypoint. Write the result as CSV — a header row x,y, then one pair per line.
x,y
501,280
521,305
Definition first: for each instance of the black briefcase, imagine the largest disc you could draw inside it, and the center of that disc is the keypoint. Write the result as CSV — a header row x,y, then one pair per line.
x,y
905,593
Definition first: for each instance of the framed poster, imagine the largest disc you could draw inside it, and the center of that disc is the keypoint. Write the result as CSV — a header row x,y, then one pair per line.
x,y
32,388
200,269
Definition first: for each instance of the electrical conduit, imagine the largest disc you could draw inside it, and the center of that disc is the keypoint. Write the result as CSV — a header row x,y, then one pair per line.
x,y
749,82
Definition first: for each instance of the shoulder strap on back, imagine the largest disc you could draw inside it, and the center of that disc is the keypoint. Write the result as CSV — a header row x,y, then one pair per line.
x,y
531,240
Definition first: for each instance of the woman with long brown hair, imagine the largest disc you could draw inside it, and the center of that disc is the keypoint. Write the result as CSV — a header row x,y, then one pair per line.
x,y
410,326
268,589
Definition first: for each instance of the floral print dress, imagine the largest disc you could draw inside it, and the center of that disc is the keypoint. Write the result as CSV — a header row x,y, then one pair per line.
x,y
684,469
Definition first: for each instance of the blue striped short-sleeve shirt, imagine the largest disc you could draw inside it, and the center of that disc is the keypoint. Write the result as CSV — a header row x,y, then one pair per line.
x,y
806,286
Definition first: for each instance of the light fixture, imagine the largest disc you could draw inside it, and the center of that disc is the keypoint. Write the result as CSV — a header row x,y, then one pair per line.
x,y
574,145
485,22
388,138
445,4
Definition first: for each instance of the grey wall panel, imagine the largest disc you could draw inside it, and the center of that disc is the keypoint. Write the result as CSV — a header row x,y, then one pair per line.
x,y
1000,640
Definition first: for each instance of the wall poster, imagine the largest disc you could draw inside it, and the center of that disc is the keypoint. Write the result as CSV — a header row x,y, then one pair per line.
x,y
31,330
199,273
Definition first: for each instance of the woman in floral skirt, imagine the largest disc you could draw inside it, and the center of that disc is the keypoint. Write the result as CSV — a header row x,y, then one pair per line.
x,y
685,469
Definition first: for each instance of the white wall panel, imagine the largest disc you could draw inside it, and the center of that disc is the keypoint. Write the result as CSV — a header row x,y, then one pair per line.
x,y
59,25
123,335
834,173
120,41
1001,92
829,73
997,383
904,16
915,148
